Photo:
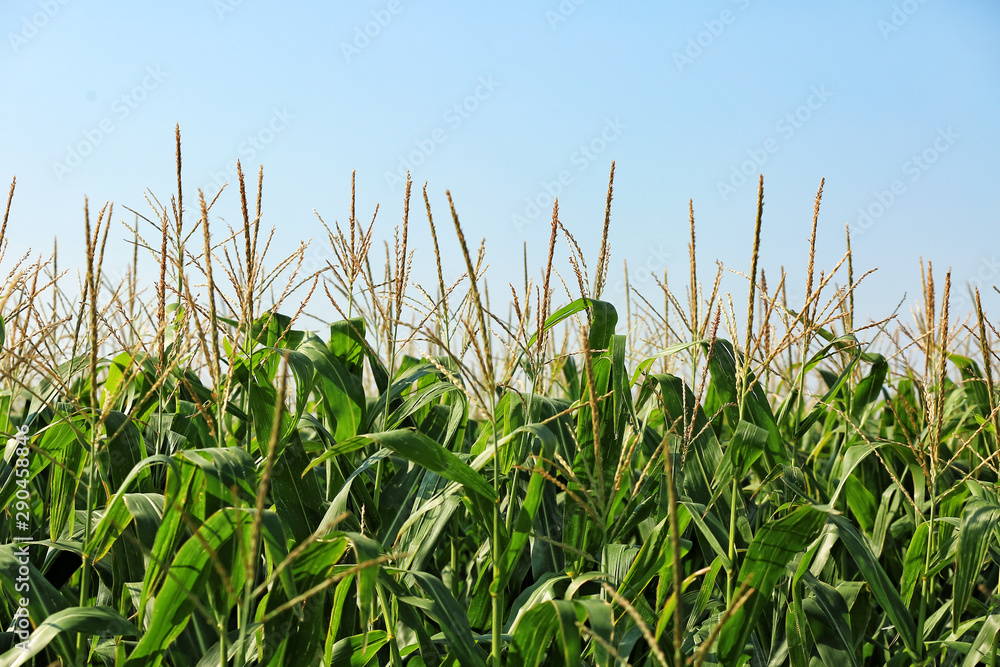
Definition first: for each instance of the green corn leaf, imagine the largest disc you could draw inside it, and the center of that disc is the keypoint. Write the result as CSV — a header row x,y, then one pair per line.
x,y
359,650
885,593
600,617
654,553
299,632
64,441
643,366
419,400
147,515
984,642
979,520
46,444
705,454
99,620
974,383
858,453
603,314
748,443
192,573
263,395
401,384
549,586
347,343
705,594
43,600
525,520
772,548
552,620
298,497
417,447
339,503
711,529
861,502
224,468
191,382
367,552
913,563
826,335
342,392
452,619
835,643
797,635
271,327
868,390
198,481
125,447
821,407
723,366
344,587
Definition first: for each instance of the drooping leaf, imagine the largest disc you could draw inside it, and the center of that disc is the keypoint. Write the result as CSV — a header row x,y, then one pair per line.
x,y
882,588
98,620
451,618
43,601
358,650
979,520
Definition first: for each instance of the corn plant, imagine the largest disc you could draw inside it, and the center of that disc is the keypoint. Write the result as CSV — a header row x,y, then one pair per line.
x,y
192,476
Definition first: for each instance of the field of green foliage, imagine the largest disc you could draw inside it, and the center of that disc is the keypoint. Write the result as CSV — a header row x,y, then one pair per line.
x,y
192,477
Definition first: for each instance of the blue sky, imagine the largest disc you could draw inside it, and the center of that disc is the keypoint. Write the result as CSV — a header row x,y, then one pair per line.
x,y
894,103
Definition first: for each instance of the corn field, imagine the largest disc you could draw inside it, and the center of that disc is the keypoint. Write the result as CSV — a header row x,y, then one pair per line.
x,y
194,477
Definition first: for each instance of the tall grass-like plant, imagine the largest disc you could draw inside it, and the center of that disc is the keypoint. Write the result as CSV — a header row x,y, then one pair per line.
x,y
192,477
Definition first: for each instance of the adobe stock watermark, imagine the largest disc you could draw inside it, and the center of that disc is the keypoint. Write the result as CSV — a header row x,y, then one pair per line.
x,y
786,127
697,44
318,256
913,168
248,149
562,12
984,279
20,623
364,34
121,108
454,117
581,158
655,262
899,17
35,23
223,7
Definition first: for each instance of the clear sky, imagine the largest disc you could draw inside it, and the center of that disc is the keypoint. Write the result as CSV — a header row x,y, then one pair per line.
x,y
895,103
